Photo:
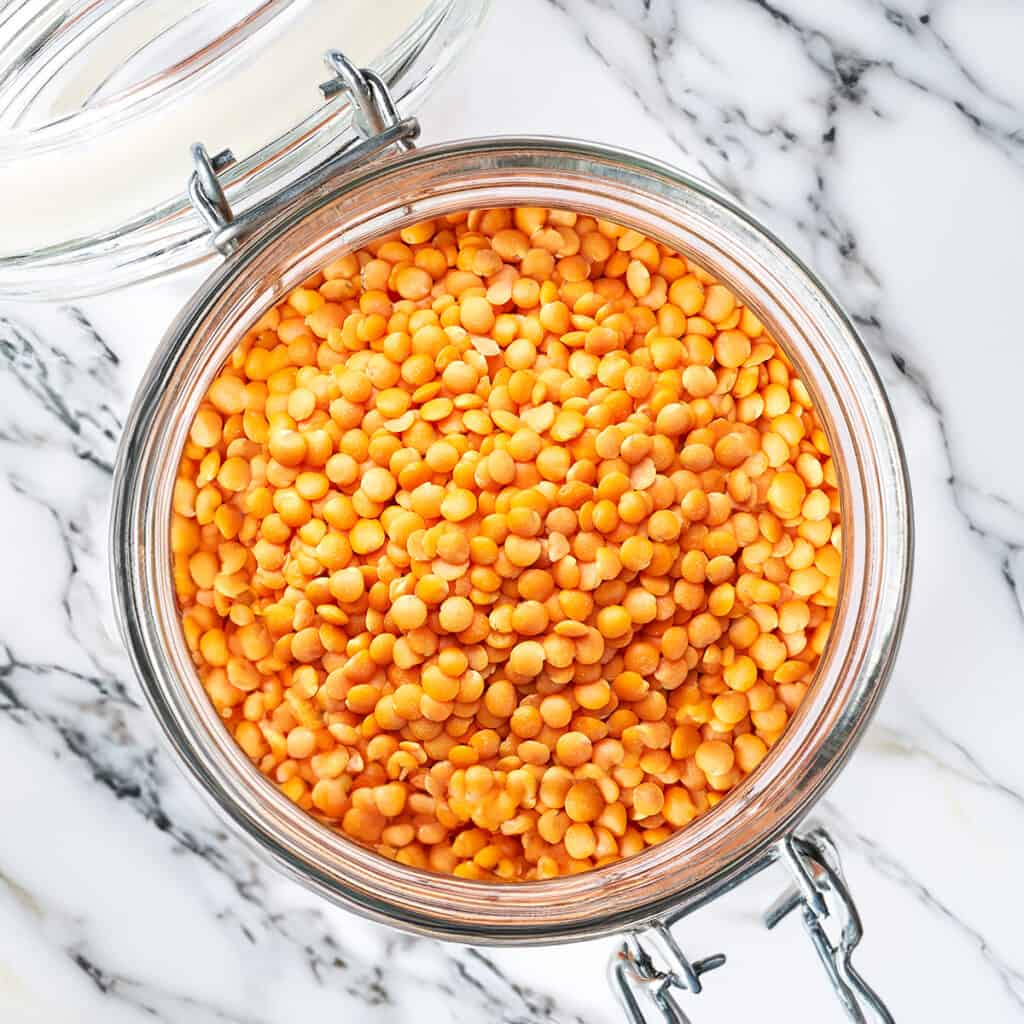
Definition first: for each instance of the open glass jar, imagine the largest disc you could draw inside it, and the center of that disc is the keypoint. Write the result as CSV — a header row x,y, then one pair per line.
x,y
378,187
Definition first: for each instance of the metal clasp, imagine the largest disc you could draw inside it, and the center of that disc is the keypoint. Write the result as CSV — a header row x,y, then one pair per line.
x,y
377,123
649,968
375,110
638,977
822,896
204,188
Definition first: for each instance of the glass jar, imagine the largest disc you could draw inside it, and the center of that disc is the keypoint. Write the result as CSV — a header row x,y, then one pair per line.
x,y
755,824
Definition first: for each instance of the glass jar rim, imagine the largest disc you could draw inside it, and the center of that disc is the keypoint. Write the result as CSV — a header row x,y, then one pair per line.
x,y
800,313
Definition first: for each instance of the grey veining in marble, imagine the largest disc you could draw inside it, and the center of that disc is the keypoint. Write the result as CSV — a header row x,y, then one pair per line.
x,y
884,142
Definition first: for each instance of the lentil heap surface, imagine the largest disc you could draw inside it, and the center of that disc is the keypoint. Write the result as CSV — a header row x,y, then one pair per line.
x,y
507,545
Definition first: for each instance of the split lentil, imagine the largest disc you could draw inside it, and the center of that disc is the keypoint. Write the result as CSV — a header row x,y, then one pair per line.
x,y
507,545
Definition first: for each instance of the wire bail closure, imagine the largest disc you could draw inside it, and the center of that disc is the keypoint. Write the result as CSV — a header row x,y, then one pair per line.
x,y
378,125
375,110
649,967
204,188
636,976
822,896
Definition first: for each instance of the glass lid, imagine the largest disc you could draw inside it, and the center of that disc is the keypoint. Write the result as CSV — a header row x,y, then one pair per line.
x,y
101,100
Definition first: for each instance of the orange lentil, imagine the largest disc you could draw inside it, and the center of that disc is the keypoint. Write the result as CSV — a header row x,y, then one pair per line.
x,y
508,545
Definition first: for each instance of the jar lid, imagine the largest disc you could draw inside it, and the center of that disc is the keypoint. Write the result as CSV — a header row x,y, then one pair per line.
x,y
101,101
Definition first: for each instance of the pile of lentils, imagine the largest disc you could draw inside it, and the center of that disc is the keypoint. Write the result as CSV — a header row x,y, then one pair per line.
x,y
508,544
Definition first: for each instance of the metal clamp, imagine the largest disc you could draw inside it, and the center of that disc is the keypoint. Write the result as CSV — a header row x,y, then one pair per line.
x,y
823,898
377,123
648,978
636,976
204,188
375,109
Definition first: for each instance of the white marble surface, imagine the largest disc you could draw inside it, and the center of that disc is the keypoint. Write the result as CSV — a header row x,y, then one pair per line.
x,y
884,139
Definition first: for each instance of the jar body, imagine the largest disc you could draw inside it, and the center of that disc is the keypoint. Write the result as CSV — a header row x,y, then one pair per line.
x,y
714,850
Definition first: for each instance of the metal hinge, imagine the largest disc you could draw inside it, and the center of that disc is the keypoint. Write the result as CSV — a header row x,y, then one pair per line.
x,y
378,125
649,968
642,975
823,898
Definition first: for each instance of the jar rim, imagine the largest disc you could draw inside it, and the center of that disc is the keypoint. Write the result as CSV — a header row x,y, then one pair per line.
x,y
738,834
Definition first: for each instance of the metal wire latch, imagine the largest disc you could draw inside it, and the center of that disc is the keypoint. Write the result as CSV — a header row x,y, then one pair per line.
x,y
638,978
378,126
649,968
822,896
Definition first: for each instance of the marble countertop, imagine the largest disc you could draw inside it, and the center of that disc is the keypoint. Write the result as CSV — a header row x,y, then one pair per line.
x,y
884,140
